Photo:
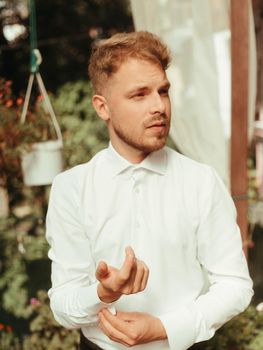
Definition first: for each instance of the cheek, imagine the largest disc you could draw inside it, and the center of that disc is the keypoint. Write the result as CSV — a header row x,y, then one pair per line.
x,y
130,115
168,106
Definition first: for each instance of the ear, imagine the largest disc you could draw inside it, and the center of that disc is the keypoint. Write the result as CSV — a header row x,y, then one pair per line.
x,y
100,104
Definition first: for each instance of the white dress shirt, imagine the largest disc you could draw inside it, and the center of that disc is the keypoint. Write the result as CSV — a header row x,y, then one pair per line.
x,y
180,220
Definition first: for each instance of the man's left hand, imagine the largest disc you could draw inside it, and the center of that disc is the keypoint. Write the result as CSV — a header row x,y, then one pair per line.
x,y
131,328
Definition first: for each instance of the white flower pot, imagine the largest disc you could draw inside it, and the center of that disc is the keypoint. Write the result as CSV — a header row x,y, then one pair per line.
x,y
42,163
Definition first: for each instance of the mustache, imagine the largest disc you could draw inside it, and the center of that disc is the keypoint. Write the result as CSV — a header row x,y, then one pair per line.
x,y
157,121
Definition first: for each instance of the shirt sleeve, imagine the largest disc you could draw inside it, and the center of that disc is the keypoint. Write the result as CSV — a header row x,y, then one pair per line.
x,y
73,296
219,252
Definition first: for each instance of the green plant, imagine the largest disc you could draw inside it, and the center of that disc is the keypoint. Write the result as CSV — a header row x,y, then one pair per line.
x,y
82,129
16,138
46,333
9,131
257,342
8,339
244,332
23,250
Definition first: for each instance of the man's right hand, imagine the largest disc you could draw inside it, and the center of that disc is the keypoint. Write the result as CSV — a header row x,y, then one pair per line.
x,y
131,278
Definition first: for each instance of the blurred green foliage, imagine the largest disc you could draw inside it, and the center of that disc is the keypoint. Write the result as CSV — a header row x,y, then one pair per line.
x,y
244,332
24,266
45,332
22,245
83,131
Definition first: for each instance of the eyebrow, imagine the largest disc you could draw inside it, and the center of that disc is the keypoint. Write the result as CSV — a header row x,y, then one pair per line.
x,y
164,85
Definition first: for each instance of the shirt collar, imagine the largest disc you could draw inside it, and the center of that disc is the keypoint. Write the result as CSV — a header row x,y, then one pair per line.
x,y
155,162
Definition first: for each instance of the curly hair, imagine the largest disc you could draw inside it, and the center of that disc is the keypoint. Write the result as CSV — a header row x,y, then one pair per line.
x,y
108,55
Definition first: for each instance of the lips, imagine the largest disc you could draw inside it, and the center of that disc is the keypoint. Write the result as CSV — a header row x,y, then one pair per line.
x,y
156,124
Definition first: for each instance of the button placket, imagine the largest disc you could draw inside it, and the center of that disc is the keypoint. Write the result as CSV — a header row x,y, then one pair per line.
x,y
137,200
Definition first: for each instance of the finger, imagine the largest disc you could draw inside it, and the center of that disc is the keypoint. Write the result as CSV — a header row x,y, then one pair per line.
x,y
140,272
122,321
110,336
129,251
102,270
119,324
126,327
129,263
110,331
145,276
128,288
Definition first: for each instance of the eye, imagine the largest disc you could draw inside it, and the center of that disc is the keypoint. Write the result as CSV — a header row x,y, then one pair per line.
x,y
164,92
138,95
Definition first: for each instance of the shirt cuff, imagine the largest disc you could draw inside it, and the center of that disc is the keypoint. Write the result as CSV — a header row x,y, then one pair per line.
x,y
181,327
90,302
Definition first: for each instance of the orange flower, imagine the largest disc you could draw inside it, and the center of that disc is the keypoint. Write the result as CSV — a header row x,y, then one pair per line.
x,y
9,103
2,326
19,101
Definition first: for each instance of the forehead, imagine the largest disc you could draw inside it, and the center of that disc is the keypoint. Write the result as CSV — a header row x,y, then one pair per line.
x,y
136,72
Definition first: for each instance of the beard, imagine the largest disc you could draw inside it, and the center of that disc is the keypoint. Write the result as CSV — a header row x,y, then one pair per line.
x,y
145,143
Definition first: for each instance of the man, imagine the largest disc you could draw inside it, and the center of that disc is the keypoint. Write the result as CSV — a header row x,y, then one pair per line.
x,y
144,245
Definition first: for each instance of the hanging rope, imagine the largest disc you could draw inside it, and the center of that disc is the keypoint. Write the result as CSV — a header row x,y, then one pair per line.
x,y
35,61
33,37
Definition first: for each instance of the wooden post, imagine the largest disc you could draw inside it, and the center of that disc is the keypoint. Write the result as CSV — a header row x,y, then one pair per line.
x,y
239,125
4,200
258,11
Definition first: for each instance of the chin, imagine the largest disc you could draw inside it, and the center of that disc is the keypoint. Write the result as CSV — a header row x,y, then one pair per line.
x,y
155,146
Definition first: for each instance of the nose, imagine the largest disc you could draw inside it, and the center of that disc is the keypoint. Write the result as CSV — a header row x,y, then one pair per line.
x,y
157,104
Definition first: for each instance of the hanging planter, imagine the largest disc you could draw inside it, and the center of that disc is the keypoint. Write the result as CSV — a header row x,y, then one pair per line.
x,y
42,163
43,160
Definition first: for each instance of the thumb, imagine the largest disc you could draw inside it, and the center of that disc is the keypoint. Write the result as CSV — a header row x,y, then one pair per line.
x,y
102,270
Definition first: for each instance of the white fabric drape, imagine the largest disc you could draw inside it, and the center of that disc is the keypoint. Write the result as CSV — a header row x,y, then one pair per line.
x,y
200,73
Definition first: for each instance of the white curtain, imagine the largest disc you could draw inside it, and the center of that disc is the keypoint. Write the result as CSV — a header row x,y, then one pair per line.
x,y
198,34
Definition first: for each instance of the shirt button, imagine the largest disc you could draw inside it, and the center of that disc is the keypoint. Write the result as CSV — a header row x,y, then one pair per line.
x,y
137,190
